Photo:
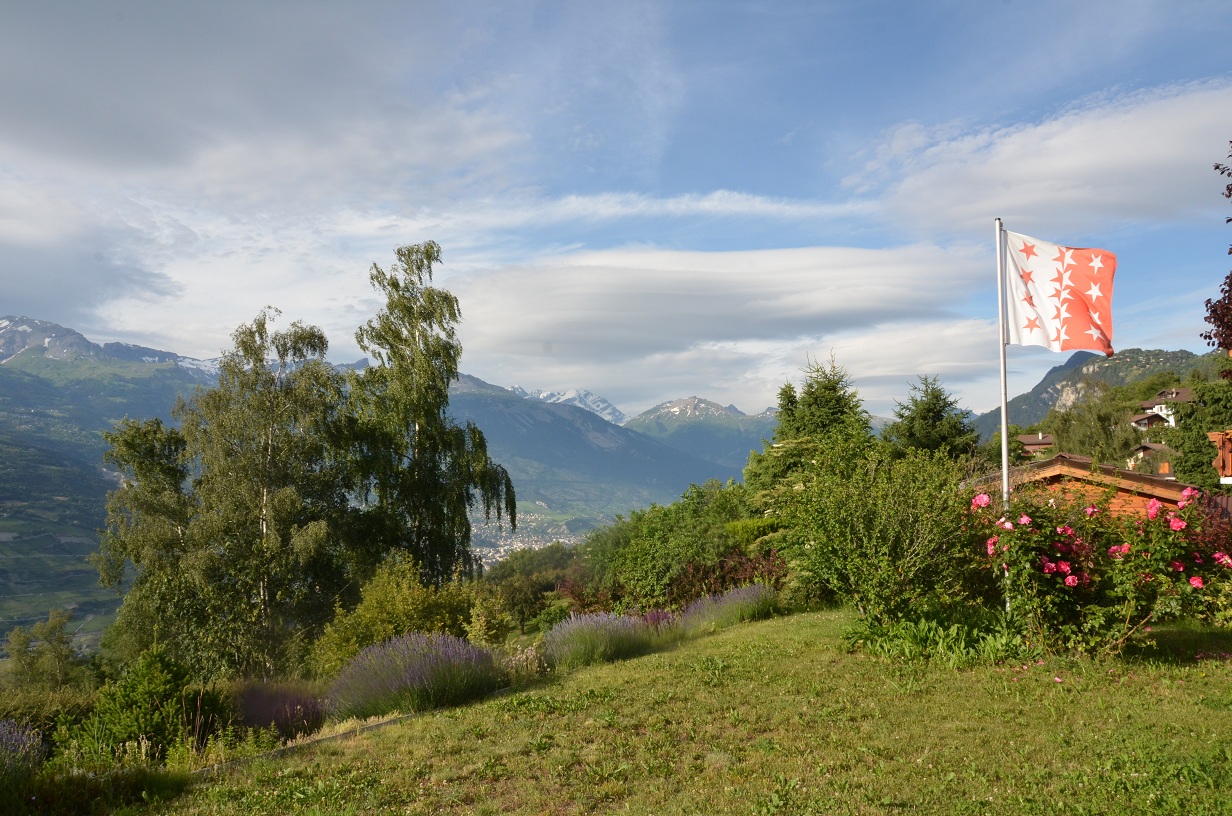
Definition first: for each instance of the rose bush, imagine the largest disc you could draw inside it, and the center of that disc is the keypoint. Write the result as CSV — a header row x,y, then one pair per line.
x,y
1079,578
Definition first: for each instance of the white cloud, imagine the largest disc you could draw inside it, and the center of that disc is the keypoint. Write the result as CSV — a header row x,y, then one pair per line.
x,y
1139,158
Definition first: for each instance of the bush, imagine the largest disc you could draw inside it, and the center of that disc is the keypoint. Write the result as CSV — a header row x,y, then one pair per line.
x,y
885,533
1087,581
395,602
412,673
153,705
291,709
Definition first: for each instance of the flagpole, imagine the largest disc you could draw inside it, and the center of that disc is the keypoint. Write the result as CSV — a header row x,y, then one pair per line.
x,y
1001,310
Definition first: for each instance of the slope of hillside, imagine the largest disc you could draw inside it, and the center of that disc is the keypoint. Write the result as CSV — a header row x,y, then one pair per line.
x,y
573,461
1065,384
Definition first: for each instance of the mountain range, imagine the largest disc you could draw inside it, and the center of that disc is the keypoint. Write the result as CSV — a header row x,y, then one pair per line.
x,y
575,459
573,467
1065,384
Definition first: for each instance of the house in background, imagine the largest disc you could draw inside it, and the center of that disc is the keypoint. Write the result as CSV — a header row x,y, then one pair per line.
x,y
1132,492
1158,409
1035,444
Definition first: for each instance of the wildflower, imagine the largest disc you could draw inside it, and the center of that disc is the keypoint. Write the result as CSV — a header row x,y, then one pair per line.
x,y
1223,560
1058,679
1177,566
1152,509
980,500
1196,582
1091,510
1024,519
991,544
1071,580
1175,522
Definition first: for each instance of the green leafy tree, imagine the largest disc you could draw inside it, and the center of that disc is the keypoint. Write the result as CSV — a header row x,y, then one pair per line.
x,y
419,474
931,420
1193,453
825,409
231,521
1097,426
42,657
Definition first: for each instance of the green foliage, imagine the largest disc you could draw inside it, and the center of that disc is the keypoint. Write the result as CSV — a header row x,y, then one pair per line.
x,y
395,602
489,623
1081,579
968,641
663,541
885,532
285,486
153,705
827,408
931,420
418,474
232,520
43,658
1210,410
1098,425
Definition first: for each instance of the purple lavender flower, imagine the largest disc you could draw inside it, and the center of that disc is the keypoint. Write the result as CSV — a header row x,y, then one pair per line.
x,y
411,673
21,752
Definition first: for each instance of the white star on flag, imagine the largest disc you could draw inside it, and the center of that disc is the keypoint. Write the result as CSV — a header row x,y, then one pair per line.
x,y
1040,279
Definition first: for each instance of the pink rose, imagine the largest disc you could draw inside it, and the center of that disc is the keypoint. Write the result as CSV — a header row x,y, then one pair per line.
x,y
1196,582
1005,525
1176,523
1177,566
1152,508
1091,510
1024,519
1063,567
980,500
991,544
1071,580
1223,560
1065,530
1191,493
1118,552
1049,567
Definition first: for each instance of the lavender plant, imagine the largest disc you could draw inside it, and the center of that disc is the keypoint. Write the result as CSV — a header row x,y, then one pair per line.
x,y
21,753
714,612
412,673
597,637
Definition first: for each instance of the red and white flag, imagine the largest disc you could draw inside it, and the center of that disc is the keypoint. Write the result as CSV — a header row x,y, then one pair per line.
x,y
1059,297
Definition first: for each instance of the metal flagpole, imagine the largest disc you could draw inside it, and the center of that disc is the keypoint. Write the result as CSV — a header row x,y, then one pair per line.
x,y
1004,335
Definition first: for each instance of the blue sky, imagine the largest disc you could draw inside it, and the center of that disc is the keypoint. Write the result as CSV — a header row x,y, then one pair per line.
x,y
648,200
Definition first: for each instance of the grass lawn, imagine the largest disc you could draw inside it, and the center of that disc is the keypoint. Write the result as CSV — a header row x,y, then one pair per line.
x,y
774,718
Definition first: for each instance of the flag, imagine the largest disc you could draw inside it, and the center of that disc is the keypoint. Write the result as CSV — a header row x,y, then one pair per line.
x,y
1059,297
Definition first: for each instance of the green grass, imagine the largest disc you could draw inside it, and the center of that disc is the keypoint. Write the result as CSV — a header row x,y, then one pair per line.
x,y
773,717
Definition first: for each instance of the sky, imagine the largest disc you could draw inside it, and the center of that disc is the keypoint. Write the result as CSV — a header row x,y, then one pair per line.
x,y
647,200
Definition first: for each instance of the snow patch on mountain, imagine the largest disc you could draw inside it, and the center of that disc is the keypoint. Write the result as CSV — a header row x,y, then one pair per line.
x,y
578,397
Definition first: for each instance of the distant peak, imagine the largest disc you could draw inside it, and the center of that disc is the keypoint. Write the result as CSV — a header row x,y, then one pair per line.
x,y
577,397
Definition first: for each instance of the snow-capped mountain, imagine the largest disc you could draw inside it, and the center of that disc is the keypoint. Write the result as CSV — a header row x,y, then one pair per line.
x,y
579,397
20,334
706,429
